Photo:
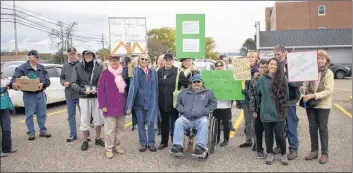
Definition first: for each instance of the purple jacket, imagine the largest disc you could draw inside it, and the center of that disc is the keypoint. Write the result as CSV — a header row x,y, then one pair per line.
x,y
109,95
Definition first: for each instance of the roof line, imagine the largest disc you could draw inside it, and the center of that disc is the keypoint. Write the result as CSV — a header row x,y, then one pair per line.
x,y
320,46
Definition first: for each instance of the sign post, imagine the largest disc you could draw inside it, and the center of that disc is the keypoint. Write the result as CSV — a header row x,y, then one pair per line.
x,y
190,36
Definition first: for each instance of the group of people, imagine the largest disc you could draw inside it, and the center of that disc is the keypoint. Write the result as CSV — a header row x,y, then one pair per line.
x,y
176,99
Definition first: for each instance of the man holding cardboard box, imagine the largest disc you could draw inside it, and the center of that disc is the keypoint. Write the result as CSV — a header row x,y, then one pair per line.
x,y
32,79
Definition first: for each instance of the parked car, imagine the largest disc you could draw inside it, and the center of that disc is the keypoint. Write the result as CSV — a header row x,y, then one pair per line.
x,y
340,71
205,60
54,93
8,63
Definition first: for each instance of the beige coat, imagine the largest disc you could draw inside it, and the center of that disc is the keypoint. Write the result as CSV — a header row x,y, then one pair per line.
x,y
324,97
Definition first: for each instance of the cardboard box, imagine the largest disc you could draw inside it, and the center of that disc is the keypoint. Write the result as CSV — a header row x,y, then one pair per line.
x,y
28,84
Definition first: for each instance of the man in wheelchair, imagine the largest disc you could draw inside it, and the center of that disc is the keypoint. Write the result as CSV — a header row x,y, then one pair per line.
x,y
194,105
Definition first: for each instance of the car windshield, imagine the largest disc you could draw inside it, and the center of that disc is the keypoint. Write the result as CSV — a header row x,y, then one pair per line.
x,y
8,71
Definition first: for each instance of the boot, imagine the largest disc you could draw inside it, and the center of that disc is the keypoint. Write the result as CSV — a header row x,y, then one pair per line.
x,y
312,156
324,158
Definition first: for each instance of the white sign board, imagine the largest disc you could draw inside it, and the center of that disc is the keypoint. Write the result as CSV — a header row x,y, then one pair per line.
x,y
302,66
128,34
266,55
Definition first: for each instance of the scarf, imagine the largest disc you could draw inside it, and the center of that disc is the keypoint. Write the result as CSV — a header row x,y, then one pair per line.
x,y
119,80
321,86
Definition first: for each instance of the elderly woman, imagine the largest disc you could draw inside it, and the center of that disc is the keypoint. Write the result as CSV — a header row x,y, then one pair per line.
x,y
143,99
187,66
112,99
320,92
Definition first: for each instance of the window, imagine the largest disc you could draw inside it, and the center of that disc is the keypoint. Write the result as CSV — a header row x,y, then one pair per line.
x,y
321,27
59,70
321,10
51,72
8,71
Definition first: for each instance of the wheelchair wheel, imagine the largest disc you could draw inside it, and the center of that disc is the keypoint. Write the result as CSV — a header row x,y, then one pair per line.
x,y
212,135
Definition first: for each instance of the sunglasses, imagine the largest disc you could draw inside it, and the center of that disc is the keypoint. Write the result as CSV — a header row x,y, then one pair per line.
x,y
219,65
196,82
144,59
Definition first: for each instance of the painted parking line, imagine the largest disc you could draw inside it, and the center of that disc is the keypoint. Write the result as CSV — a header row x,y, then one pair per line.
x,y
237,124
343,110
50,114
350,97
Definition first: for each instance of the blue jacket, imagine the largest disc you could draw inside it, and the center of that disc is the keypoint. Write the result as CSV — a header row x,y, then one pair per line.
x,y
143,94
194,105
26,69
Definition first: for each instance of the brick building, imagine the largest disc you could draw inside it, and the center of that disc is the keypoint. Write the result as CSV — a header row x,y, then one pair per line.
x,y
309,15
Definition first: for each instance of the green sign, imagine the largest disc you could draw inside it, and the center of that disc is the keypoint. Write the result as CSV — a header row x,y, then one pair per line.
x,y
223,85
190,36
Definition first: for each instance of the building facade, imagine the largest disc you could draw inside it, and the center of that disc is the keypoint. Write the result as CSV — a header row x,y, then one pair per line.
x,y
309,15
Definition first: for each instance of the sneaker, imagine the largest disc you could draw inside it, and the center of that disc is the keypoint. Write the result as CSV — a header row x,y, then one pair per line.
x,y
260,155
45,134
109,154
100,142
292,155
152,148
11,151
4,154
276,150
324,158
84,146
199,150
254,148
143,148
119,150
177,149
284,159
269,158
312,156
224,143
245,145
71,139
162,146
31,137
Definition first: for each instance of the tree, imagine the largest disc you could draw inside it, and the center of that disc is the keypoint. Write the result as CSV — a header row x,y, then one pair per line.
x,y
156,48
248,45
210,47
103,53
166,38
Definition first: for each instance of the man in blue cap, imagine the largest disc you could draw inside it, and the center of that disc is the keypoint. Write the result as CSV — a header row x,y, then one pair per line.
x,y
34,102
194,105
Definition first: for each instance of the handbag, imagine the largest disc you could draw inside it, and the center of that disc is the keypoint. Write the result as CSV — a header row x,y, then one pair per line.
x,y
309,104
176,92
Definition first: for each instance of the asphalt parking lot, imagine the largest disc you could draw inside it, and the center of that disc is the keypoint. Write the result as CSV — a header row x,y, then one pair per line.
x,y
55,154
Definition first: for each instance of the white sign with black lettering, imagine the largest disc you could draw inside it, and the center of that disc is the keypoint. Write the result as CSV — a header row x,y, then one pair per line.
x,y
302,66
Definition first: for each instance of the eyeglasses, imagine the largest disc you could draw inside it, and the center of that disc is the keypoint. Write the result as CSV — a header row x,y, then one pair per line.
x,y
144,59
196,82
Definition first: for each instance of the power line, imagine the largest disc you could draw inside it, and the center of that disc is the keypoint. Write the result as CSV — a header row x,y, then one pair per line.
x,y
49,20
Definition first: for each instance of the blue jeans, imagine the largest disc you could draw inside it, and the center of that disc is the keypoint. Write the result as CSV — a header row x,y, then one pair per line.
x,y
71,115
141,116
292,123
5,122
35,103
201,125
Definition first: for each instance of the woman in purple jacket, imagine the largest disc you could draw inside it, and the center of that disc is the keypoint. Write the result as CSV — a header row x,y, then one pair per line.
x,y
112,94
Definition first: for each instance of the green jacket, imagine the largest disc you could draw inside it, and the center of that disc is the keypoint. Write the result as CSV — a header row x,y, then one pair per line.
x,y
268,110
6,102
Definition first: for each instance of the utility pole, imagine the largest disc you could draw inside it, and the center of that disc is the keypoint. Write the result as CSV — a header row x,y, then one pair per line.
x,y
103,40
15,28
62,39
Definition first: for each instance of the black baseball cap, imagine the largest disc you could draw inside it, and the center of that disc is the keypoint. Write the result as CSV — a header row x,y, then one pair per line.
x,y
168,56
72,50
33,53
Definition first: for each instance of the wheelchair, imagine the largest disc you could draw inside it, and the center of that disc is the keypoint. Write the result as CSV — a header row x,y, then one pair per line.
x,y
190,139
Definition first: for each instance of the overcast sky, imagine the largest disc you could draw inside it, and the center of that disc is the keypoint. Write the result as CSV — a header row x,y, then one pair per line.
x,y
230,23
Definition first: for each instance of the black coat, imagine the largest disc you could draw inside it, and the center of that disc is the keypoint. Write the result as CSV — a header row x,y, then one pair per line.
x,y
167,86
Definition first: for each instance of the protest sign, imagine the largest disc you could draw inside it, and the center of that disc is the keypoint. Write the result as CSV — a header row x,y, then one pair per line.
x,y
302,66
241,69
190,36
222,84
127,35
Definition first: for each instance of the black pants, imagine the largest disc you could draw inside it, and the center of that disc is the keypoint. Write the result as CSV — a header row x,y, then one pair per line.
x,y
5,122
167,125
277,128
223,115
318,120
259,129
